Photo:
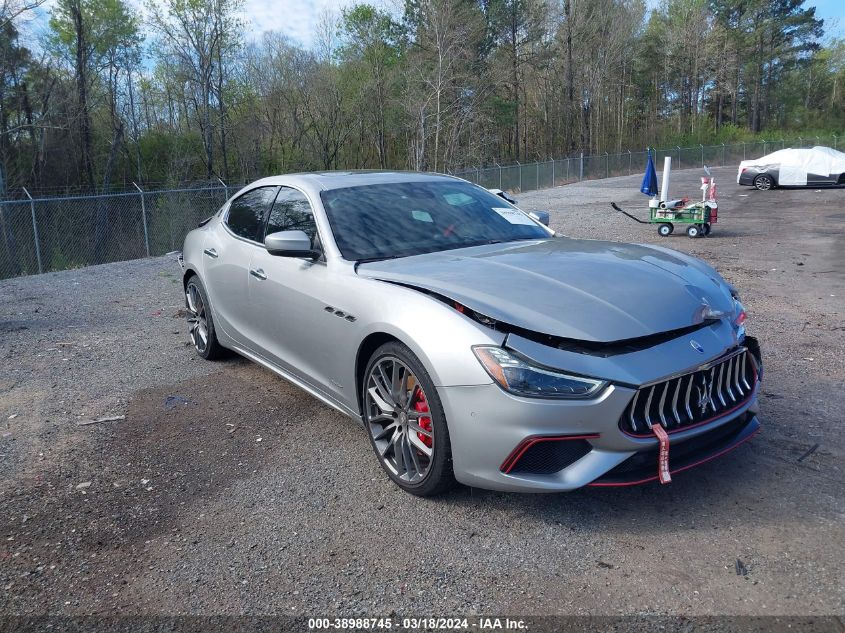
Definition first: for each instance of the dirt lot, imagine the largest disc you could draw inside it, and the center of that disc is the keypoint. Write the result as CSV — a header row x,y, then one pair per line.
x,y
225,490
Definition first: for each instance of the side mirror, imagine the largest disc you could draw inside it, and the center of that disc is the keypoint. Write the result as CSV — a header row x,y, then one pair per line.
x,y
502,194
290,244
541,216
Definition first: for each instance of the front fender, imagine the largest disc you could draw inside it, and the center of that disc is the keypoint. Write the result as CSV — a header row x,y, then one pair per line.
x,y
439,335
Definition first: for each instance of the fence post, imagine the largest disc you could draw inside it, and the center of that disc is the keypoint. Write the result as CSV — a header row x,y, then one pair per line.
x,y
817,140
581,169
834,141
630,163
743,150
679,156
520,174
538,174
553,172
723,154
783,143
225,187
800,142
702,153
606,165
764,147
34,231
144,218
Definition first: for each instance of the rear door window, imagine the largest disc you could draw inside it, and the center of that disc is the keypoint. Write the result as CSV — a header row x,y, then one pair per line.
x,y
248,212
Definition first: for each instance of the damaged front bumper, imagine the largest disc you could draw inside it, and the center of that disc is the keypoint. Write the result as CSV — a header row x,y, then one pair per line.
x,y
505,442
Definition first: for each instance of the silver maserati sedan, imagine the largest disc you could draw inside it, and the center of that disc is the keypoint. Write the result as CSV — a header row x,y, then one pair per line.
x,y
473,343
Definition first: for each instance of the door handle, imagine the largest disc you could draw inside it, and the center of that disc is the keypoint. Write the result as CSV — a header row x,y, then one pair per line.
x,y
210,252
257,273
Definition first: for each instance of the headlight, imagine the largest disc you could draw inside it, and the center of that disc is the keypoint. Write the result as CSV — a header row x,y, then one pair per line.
x,y
516,375
739,313
739,319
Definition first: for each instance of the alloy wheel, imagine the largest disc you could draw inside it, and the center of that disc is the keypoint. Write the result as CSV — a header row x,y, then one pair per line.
x,y
763,183
397,417
197,317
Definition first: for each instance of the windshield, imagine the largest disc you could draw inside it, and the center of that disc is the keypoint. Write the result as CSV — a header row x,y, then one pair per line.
x,y
409,218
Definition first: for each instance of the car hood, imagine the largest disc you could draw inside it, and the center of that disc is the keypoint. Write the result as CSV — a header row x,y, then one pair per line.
x,y
577,289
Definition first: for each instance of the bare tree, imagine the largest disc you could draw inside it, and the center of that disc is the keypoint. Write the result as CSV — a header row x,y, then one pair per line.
x,y
11,10
194,35
443,89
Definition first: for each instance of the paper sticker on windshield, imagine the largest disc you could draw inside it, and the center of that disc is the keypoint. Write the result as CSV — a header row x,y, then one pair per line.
x,y
514,216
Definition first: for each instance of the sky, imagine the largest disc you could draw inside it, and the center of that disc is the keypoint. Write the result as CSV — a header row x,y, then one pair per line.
x,y
300,19
833,12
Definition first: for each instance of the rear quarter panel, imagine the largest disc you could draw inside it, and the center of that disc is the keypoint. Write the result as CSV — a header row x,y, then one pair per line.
x,y
192,250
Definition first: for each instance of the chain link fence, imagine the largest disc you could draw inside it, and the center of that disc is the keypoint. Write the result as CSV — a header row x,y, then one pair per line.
x,y
553,173
49,234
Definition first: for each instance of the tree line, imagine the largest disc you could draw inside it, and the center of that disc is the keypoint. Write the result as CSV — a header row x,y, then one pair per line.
x,y
180,91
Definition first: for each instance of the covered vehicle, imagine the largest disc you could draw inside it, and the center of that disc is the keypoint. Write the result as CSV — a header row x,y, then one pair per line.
x,y
789,167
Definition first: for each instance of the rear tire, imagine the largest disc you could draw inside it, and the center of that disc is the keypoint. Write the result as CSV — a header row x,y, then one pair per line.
x,y
764,182
693,230
665,229
412,448
200,321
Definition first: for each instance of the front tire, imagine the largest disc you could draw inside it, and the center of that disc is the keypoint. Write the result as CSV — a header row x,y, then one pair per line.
x,y
405,422
200,323
665,229
764,182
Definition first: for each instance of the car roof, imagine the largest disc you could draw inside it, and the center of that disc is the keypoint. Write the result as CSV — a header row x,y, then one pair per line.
x,y
326,180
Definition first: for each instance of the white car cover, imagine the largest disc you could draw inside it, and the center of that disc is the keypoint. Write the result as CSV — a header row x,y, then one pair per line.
x,y
795,164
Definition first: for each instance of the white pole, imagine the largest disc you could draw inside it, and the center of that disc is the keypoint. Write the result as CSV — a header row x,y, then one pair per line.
x,y
34,231
144,219
667,169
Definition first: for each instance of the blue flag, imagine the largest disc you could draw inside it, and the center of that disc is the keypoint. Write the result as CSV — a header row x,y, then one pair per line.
x,y
649,186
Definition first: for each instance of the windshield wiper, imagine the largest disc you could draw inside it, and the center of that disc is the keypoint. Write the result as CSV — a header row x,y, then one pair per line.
x,y
367,260
493,241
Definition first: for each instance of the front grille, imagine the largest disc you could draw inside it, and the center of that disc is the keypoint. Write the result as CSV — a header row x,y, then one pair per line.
x,y
695,398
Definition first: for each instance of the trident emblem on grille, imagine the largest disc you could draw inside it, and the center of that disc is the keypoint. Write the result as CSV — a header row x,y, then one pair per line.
x,y
705,395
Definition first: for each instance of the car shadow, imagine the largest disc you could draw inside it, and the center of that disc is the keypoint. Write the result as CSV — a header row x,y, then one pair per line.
x,y
716,234
750,483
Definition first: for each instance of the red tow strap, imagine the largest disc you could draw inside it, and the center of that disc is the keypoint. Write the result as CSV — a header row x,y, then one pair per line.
x,y
663,459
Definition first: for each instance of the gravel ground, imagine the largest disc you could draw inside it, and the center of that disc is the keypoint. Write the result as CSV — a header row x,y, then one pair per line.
x,y
225,490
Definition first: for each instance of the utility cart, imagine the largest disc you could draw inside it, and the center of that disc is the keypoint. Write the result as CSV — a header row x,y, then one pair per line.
x,y
698,217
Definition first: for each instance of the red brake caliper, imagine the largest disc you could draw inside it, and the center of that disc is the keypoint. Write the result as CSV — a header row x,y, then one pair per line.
x,y
421,405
